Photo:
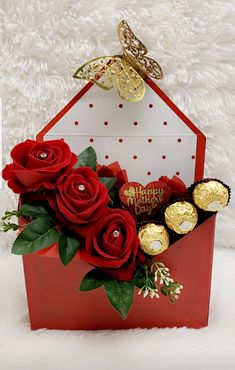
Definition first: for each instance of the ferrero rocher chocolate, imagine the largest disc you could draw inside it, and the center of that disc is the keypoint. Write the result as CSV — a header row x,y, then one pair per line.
x,y
211,195
181,217
153,239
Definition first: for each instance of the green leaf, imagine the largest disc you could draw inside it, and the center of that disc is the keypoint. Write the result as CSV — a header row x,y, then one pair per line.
x,y
34,210
68,247
164,291
120,295
87,158
114,197
109,182
92,280
37,235
143,275
139,279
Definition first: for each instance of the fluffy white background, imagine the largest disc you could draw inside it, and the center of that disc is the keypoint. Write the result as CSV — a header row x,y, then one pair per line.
x,y
43,42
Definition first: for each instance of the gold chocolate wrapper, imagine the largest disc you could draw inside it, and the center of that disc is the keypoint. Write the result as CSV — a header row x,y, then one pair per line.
x,y
153,239
181,217
211,196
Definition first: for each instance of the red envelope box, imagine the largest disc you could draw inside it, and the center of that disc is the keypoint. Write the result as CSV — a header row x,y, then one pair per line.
x,y
55,301
149,139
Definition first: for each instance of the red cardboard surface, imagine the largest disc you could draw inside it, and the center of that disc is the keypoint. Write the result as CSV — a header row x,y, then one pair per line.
x,y
55,301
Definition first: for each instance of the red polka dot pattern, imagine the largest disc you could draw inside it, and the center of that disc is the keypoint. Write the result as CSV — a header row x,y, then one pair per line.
x,y
135,129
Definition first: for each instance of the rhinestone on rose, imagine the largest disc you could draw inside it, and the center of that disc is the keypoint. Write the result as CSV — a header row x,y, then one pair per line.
x,y
81,187
116,233
43,155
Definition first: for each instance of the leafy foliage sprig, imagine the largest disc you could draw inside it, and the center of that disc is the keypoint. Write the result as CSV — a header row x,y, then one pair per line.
x,y
155,277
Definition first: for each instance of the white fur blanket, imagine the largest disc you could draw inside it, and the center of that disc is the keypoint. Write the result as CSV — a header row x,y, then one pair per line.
x,y
43,42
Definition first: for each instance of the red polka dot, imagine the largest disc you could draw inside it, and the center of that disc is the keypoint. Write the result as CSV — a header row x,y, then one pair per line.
x,y
148,173
193,157
106,123
135,123
179,140
91,140
150,105
76,123
120,140
150,140
120,105
177,173
106,157
134,156
90,105
163,157
164,123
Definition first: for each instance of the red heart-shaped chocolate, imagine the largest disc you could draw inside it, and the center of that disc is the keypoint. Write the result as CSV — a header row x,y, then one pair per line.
x,y
144,201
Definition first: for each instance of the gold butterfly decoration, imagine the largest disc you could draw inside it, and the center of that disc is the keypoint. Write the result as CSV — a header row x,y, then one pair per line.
x,y
124,72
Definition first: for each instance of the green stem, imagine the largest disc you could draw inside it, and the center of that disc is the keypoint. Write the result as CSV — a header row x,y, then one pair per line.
x,y
9,214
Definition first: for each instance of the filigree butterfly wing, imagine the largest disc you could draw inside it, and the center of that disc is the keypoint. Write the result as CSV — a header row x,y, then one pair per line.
x,y
151,67
134,51
130,44
95,71
128,82
113,71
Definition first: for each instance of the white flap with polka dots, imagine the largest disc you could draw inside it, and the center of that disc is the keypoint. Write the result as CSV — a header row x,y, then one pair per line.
x,y
150,138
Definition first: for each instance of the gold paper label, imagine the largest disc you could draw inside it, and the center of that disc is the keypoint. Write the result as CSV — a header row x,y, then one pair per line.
x,y
143,200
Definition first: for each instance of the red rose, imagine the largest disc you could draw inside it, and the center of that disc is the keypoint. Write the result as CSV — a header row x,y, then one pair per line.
x,y
79,199
113,170
37,165
111,244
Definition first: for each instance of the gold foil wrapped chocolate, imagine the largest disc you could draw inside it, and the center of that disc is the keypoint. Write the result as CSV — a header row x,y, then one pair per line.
x,y
211,195
153,239
181,217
